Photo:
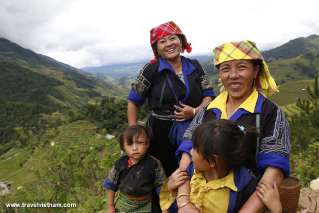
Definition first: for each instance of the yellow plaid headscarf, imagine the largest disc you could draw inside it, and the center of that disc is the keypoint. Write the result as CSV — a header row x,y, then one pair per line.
x,y
247,50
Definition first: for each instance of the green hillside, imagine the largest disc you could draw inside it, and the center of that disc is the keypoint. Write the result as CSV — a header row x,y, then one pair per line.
x,y
69,165
33,84
293,48
304,66
19,64
291,91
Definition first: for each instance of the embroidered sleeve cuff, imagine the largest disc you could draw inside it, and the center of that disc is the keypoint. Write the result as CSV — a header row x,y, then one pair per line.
x,y
110,185
208,93
185,146
274,160
135,97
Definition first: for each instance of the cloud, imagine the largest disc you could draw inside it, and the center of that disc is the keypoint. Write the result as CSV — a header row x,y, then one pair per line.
x,y
23,21
96,32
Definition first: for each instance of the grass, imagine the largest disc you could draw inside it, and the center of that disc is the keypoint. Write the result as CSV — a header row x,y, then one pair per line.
x,y
14,168
291,91
18,165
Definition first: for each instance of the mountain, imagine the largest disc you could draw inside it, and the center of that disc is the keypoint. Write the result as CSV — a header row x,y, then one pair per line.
x,y
127,70
297,59
293,48
12,50
116,71
33,84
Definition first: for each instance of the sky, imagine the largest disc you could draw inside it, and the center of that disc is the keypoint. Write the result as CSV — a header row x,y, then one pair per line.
x,y
100,32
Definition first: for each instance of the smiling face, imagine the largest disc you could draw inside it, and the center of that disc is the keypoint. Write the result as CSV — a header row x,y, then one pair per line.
x,y
137,149
238,77
169,47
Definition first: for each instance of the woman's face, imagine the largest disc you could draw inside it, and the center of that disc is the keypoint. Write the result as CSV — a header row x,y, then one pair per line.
x,y
238,76
169,47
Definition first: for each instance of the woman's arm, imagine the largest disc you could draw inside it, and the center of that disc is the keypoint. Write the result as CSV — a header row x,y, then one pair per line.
x,y
139,91
204,103
132,113
273,154
185,187
183,192
254,204
110,201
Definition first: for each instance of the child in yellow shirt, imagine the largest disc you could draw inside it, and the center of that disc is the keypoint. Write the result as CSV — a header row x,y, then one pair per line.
x,y
219,184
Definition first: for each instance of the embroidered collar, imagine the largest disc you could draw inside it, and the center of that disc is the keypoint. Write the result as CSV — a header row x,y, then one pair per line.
x,y
227,181
252,104
130,162
187,66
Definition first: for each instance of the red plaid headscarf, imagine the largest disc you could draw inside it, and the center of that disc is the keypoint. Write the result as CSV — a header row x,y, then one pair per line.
x,y
165,29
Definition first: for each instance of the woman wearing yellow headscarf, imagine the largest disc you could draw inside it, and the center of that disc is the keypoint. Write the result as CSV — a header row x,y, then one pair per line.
x,y
245,83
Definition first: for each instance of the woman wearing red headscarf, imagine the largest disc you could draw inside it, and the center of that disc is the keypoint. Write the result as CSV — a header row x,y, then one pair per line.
x,y
176,88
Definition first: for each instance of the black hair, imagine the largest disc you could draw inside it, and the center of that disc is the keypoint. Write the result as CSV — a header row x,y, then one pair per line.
x,y
131,132
257,63
226,139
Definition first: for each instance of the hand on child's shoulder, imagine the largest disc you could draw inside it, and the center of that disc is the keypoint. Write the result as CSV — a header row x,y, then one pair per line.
x,y
269,195
177,179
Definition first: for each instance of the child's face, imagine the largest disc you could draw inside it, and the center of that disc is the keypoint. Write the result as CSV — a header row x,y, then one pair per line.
x,y
200,163
137,149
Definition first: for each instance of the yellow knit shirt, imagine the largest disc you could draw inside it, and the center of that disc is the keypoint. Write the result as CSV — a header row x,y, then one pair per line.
x,y
209,197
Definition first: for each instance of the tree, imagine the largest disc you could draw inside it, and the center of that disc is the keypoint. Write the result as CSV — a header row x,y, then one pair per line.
x,y
305,135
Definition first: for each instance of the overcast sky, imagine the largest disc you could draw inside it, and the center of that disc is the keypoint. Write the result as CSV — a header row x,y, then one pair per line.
x,y
97,32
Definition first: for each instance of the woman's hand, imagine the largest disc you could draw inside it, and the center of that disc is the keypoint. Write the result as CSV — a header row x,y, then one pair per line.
x,y
270,196
176,179
184,112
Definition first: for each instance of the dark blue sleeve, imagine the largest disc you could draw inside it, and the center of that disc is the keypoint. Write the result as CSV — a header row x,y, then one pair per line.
x,y
274,147
185,146
108,184
135,97
208,93
141,85
273,160
111,182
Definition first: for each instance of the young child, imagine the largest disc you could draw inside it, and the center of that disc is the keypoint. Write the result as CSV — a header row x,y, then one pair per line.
x,y
135,175
219,183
